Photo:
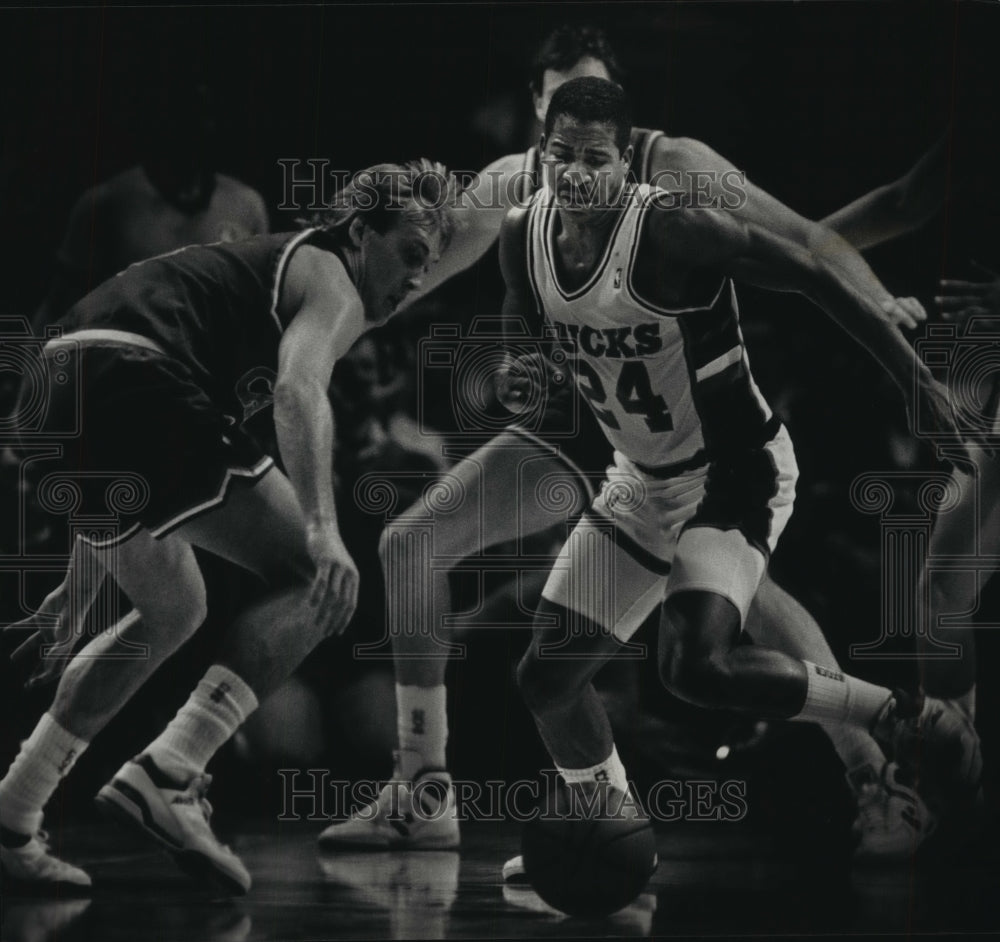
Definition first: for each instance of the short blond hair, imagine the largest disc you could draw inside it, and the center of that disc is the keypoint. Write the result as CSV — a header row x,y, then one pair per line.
x,y
421,193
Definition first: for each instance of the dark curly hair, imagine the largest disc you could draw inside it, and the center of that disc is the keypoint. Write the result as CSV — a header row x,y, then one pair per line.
x,y
565,46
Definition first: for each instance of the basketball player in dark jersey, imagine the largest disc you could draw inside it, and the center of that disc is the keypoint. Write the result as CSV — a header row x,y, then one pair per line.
x,y
703,477
170,353
174,197
513,468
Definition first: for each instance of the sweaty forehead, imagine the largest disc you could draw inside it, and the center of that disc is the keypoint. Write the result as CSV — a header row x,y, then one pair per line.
x,y
575,133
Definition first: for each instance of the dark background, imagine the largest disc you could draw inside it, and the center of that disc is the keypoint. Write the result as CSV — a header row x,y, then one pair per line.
x,y
818,102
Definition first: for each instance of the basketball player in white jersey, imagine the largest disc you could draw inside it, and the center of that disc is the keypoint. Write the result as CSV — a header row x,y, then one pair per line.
x,y
639,289
891,818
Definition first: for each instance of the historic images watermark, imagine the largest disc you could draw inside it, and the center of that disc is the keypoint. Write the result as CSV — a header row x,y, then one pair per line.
x,y
314,184
312,795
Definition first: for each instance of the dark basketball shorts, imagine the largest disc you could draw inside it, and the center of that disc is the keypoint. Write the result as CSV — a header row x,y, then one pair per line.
x,y
153,452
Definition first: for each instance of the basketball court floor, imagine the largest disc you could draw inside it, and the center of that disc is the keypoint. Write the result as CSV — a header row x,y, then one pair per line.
x,y
714,879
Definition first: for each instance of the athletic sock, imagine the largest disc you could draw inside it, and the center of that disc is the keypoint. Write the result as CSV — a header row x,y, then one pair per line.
x,y
45,758
610,770
854,746
422,728
215,710
834,697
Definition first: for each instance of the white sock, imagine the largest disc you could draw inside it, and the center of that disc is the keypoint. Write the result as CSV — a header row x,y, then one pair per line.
x,y
215,710
422,727
854,746
610,770
45,758
833,697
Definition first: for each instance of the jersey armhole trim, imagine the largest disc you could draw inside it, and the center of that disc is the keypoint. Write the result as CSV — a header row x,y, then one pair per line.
x,y
630,287
280,271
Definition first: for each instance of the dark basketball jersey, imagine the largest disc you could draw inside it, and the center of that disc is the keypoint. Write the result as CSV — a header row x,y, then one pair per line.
x,y
213,307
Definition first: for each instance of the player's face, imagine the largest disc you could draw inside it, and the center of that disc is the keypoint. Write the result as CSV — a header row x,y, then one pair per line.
x,y
395,264
552,79
583,165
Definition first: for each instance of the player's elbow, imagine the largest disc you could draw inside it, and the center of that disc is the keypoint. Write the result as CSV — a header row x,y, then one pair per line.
x,y
293,395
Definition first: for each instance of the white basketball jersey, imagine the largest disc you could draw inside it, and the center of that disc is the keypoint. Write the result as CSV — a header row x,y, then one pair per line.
x,y
669,386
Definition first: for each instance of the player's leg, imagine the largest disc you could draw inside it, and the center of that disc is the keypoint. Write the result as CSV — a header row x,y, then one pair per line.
x,y
581,622
719,562
501,500
745,507
777,620
59,623
948,664
163,578
502,493
970,529
259,527
892,819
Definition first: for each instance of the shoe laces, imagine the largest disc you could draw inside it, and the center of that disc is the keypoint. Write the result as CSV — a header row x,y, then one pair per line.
x,y
41,838
197,788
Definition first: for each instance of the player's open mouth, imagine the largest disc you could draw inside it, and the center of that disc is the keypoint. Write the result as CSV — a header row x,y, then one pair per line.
x,y
574,199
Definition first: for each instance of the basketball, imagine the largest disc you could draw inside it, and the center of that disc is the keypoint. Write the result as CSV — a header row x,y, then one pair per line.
x,y
591,853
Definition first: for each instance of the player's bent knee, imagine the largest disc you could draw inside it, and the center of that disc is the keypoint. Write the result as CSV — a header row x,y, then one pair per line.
x,y
703,679
542,687
294,570
401,543
188,613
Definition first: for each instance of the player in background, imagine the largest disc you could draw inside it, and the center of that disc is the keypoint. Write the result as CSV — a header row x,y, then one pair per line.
x,y
704,473
891,818
971,527
976,515
174,196
166,352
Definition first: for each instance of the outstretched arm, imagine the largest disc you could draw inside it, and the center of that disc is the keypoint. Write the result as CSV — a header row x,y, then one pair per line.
x,y
478,216
898,207
327,316
703,175
959,299
751,253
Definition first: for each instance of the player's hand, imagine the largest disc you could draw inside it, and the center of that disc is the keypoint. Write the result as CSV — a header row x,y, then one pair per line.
x,y
522,382
51,629
333,595
904,312
960,300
